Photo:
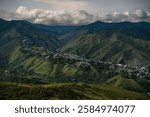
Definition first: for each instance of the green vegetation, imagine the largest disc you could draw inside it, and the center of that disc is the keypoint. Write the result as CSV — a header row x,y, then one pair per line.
x,y
65,91
26,73
125,83
103,45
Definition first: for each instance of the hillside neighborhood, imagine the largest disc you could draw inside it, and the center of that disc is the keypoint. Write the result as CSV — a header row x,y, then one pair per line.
x,y
138,71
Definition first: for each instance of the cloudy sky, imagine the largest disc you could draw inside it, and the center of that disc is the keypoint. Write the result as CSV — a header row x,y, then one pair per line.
x,y
75,12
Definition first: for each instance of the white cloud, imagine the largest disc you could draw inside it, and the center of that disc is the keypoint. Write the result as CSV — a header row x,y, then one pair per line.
x,y
77,17
54,17
140,14
113,17
30,14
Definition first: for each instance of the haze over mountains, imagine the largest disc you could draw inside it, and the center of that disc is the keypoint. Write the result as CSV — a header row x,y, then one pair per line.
x,y
116,54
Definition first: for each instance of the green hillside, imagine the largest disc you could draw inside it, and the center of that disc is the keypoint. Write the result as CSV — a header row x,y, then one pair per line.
x,y
14,32
125,83
111,46
66,91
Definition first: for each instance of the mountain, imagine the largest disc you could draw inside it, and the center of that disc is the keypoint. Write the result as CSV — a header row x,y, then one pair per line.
x,y
23,44
126,43
12,36
2,22
38,56
139,29
13,32
56,31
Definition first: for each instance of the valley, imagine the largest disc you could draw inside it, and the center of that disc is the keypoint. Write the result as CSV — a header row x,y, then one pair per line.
x,y
95,61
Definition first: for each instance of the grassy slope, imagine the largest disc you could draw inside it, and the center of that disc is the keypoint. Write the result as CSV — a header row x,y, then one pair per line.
x,y
124,83
39,65
49,68
66,91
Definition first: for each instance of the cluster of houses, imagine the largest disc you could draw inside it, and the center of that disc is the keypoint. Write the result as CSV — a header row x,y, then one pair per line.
x,y
131,71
